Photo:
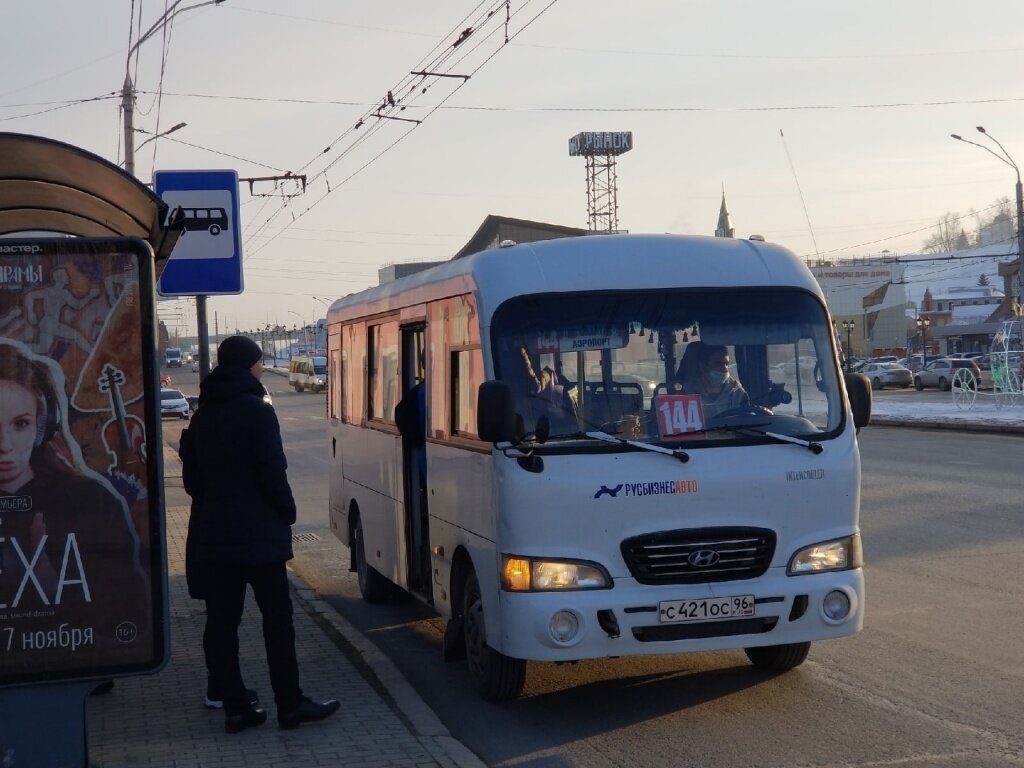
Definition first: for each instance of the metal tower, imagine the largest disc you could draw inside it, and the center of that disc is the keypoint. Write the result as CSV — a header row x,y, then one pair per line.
x,y
600,151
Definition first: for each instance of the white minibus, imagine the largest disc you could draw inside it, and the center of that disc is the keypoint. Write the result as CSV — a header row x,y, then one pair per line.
x,y
601,446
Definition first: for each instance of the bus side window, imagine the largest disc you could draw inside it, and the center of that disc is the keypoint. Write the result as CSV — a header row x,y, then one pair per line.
x,y
467,373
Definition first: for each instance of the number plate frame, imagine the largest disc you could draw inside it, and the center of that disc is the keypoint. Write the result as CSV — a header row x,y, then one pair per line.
x,y
705,609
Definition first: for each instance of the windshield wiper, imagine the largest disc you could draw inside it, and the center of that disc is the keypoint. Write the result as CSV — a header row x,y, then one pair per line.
x,y
606,438
813,447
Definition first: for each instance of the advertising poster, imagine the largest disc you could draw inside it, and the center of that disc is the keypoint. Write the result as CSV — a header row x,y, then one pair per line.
x,y
81,547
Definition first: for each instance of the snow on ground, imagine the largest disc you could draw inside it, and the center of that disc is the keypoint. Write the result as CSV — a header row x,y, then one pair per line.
x,y
983,412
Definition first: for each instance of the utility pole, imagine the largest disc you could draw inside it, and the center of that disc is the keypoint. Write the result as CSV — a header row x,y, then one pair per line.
x,y
128,110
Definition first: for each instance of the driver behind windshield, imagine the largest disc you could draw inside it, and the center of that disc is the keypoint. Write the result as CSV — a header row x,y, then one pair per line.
x,y
718,390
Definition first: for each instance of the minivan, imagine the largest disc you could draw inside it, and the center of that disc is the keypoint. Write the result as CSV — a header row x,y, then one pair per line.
x,y
308,373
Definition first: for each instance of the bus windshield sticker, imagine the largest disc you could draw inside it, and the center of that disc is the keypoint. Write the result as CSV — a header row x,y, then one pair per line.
x,y
581,339
679,416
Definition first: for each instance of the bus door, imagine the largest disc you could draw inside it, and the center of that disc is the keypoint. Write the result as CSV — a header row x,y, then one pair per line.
x,y
410,415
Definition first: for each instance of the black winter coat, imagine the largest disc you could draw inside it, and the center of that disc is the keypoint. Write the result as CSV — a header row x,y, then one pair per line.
x,y
234,468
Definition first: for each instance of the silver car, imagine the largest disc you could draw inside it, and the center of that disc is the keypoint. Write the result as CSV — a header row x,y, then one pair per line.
x,y
888,375
941,373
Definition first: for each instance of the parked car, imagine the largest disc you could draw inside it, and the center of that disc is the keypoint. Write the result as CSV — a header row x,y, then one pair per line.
x,y
887,375
940,373
173,403
914,362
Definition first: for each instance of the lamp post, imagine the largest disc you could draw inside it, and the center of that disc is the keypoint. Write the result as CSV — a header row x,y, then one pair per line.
x,y
1007,160
128,89
922,326
302,323
848,326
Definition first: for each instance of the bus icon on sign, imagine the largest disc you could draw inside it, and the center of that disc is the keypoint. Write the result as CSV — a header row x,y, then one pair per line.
x,y
212,220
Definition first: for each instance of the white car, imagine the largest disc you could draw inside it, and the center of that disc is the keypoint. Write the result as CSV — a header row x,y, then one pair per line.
x,y
195,366
888,375
173,403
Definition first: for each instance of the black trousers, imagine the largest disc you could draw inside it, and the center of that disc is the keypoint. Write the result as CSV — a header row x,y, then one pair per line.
x,y
225,601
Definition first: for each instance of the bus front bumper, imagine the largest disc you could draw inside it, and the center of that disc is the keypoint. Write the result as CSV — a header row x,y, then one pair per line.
x,y
634,619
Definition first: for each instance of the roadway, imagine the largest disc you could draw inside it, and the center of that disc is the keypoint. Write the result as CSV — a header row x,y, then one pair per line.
x,y
932,681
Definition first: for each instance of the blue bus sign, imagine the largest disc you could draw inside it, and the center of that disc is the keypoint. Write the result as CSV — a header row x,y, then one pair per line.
x,y
207,260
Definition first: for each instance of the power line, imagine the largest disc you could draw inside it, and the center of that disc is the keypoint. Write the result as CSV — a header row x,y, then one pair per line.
x,y
468,31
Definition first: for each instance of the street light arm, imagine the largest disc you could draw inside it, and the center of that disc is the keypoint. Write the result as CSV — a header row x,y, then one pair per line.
x,y
981,129
996,155
160,135
167,15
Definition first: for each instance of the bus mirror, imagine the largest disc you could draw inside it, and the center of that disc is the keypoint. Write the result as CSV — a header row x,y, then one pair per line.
x,y
495,412
858,388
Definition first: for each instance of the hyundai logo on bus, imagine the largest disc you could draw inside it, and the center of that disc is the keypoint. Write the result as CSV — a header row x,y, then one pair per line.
x,y
589,143
703,558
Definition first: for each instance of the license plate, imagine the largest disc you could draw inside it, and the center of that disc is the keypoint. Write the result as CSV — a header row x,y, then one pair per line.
x,y
707,609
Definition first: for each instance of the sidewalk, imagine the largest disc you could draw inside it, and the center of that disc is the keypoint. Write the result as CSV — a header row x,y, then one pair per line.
x,y
160,721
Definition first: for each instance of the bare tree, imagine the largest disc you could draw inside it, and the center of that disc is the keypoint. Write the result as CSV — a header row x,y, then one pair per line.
x,y
949,235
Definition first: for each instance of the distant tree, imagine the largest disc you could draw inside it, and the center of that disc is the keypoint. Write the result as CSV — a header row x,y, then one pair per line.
x,y
949,235
983,280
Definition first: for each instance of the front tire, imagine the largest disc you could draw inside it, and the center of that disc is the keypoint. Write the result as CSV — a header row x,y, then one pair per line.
x,y
876,383
372,586
495,676
778,658
917,383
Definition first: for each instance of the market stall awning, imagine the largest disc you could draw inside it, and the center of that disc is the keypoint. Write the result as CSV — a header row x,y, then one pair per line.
x,y
50,186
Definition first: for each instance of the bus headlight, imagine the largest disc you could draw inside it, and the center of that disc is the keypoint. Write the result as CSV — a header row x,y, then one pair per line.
x,y
523,574
836,555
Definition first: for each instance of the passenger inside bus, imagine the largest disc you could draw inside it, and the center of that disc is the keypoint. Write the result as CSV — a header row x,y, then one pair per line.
x,y
546,394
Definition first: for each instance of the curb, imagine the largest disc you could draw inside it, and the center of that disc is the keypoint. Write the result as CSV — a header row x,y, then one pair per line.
x,y
962,426
424,722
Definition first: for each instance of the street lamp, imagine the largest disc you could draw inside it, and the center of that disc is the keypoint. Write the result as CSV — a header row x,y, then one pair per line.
x,y
848,326
155,136
1006,159
922,326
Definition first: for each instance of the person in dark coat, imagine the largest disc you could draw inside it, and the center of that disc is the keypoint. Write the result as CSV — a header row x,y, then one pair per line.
x,y
234,469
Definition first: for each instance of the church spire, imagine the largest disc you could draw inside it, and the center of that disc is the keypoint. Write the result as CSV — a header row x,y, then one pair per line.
x,y
725,228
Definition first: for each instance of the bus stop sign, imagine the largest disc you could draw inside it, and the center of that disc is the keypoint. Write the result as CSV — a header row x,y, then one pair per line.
x,y
208,257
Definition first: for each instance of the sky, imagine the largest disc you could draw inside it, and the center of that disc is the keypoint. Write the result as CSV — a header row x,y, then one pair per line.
x,y
827,125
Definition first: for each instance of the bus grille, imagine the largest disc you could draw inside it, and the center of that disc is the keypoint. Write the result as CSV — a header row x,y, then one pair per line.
x,y
699,555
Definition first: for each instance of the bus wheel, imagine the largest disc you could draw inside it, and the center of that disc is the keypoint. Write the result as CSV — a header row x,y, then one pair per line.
x,y
372,586
778,658
495,676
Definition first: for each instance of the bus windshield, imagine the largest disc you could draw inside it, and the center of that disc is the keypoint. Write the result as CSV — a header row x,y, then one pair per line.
x,y
671,367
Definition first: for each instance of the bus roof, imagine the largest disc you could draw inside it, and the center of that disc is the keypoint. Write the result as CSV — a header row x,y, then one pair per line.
x,y
588,263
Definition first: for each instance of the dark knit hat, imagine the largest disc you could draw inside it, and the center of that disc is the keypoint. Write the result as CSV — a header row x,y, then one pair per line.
x,y
239,351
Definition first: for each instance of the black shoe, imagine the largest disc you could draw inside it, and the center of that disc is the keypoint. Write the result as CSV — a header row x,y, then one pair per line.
x,y
308,711
214,700
246,719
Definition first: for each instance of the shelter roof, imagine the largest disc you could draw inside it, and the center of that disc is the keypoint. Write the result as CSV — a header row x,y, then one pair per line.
x,y
49,186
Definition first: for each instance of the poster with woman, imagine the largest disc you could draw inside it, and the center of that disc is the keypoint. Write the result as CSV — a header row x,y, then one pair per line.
x,y
81,549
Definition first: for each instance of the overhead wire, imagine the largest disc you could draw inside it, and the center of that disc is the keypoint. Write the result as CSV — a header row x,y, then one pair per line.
x,y
495,7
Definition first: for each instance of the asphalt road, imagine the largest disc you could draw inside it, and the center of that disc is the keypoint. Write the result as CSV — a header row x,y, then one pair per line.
x,y
933,681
